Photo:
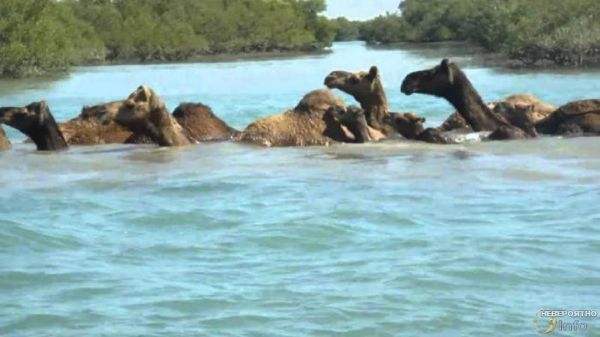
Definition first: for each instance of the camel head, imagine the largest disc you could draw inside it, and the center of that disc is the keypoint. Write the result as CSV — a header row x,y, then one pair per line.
x,y
26,119
105,112
409,125
518,115
145,113
363,86
141,108
436,81
36,121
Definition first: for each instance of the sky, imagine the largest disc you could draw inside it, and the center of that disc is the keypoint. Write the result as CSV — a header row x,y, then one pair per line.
x,y
360,9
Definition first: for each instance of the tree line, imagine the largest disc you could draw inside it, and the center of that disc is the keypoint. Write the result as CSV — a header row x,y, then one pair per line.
x,y
37,36
43,35
563,32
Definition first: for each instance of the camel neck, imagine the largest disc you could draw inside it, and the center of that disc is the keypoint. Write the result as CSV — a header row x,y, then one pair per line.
x,y
467,101
48,137
166,130
376,107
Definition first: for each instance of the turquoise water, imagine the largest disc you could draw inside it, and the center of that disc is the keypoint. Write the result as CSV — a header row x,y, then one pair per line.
x,y
392,239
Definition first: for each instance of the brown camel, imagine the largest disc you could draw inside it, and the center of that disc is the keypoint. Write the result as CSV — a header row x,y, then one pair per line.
x,y
145,114
448,81
95,125
352,118
535,109
579,118
201,124
311,123
4,142
367,89
36,121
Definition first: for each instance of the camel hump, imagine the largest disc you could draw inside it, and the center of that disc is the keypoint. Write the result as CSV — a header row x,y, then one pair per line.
x,y
318,100
529,100
525,98
580,107
197,109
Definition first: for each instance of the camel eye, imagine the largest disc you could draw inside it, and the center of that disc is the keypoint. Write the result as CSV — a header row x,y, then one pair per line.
x,y
354,80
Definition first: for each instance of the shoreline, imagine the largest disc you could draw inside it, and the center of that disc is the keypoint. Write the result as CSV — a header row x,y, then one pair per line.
x,y
473,54
479,56
218,58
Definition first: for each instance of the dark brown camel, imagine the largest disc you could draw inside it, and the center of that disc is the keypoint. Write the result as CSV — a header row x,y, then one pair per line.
x,y
201,124
35,121
579,118
448,81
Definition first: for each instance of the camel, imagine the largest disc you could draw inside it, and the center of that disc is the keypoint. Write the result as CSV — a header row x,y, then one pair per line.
x,y
95,125
145,113
448,81
354,119
36,121
201,124
579,118
312,122
536,110
367,89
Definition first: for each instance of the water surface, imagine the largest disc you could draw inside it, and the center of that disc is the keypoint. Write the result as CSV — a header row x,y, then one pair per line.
x,y
391,239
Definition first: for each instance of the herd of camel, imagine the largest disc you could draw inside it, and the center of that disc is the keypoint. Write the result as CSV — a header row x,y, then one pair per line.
x,y
320,118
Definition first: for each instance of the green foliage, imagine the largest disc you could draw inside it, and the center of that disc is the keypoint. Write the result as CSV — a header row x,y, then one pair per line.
x,y
387,29
346,30
36,35
42,35
561,31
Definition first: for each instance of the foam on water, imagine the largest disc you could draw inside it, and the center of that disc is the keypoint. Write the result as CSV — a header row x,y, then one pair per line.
x,y
389,239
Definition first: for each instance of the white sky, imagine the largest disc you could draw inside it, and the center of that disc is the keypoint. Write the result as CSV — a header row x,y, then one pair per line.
x,y
360,9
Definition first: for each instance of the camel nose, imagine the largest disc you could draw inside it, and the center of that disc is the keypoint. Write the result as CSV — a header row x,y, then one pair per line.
x,y
329,80
129,104
408,88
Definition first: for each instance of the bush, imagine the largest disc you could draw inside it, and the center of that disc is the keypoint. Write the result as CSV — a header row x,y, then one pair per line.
x,y
43,35
565,32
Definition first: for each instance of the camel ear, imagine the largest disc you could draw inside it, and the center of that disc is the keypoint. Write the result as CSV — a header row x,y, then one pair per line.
x,y
42,113
155,102
43,106
445,66
142,94
373,73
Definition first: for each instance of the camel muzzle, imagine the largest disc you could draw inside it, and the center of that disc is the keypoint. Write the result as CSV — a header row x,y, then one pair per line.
x,y
330,82
7,114
408,88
